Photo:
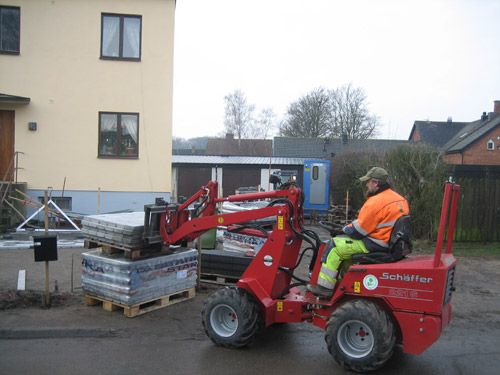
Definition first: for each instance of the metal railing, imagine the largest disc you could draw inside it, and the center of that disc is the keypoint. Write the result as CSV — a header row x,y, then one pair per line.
x,y
9,175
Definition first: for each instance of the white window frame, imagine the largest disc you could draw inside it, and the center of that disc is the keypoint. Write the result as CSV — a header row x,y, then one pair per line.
x,y
490,145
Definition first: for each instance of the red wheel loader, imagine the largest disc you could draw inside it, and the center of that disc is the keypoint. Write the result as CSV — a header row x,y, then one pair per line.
x,y
381,300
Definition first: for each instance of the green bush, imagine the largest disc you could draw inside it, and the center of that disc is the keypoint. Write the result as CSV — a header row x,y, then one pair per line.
x,y
416,172
346,170
419,174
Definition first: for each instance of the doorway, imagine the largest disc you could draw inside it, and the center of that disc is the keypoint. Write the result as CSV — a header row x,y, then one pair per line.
x,y
6,145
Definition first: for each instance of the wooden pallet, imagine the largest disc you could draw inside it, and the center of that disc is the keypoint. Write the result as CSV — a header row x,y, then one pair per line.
x,y
144,307
128,252
218,279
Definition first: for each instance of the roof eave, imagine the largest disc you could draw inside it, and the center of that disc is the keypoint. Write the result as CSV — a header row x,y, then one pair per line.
x,y
13,99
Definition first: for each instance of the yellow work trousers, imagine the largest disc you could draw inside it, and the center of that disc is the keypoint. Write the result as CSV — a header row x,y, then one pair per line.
x,y
344,248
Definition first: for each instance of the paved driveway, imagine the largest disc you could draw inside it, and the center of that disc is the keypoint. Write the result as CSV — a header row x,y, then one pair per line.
x,y
77,339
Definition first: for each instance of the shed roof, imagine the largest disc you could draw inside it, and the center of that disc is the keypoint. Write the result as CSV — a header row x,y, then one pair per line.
x,y
235,160
326,148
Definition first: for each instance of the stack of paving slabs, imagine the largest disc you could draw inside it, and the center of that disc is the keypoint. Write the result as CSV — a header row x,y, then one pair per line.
x,y
122,229
129,282
242,243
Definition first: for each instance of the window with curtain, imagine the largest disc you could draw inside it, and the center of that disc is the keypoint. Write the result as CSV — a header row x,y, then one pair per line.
x,y
118,135
10,21
121,37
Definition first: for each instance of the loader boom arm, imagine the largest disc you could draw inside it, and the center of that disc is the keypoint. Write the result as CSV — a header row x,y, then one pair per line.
x,y
182,223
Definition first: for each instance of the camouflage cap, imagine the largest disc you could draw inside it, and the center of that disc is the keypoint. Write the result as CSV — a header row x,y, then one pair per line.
x,y
377,173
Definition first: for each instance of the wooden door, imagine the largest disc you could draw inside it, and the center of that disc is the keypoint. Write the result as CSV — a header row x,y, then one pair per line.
x,y
190,179
239,176
6,145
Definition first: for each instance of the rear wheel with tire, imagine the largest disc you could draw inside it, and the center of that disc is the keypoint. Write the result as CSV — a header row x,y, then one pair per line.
x,y
360,335
231,317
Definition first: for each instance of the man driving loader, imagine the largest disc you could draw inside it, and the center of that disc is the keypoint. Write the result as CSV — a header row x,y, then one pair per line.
x,y
370,232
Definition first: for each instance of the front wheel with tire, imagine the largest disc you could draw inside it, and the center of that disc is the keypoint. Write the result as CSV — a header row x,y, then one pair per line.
x,y
231,317
360,335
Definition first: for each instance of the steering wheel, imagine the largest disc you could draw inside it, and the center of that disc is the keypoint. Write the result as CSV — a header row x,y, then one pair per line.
x,y
333,228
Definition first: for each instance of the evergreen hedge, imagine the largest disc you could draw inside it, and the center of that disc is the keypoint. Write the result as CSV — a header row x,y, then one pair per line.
x,y
416,172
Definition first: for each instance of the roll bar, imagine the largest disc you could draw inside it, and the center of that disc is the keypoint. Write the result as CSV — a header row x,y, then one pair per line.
x,y
448,214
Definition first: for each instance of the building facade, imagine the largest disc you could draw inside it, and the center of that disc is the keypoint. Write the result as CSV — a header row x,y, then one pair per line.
x,y
86,100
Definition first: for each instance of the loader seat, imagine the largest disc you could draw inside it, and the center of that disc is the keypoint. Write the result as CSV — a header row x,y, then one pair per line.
x,y
399,245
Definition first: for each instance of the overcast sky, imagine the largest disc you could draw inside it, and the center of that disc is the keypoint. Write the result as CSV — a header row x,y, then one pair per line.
x,y
415,60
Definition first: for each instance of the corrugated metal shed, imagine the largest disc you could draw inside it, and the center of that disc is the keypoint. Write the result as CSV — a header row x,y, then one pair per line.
x,y
230,160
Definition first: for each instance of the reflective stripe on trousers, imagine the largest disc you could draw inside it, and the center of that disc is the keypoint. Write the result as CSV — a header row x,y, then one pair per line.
x,y
327,278
344,248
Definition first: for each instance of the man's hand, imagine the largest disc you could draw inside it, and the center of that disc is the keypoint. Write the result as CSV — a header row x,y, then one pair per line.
x,y
352,232
349,230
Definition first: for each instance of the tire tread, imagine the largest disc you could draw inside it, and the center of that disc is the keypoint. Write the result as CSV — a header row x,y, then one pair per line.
x,y
249,317
379,320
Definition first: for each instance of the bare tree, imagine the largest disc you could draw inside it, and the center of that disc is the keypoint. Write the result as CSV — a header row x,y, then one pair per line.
x,y
264,125
238,114
350,115
310,116
338,113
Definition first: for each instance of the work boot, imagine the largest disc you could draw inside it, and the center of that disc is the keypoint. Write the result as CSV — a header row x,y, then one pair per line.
x,y
320,291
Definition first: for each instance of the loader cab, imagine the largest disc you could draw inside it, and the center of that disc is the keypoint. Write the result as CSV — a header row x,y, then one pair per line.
x,y
399,245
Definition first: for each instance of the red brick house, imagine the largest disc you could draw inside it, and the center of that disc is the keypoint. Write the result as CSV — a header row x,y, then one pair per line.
x,y
463,143
229,146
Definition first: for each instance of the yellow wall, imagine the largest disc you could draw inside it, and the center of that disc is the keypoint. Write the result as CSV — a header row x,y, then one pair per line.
x,y
60,70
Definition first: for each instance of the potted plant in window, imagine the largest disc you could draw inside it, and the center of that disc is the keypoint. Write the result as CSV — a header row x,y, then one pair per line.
x,y
130,151
128,148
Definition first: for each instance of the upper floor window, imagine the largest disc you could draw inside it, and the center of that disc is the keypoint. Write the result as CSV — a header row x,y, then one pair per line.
x,y
118,135
10,21
490,145
121,37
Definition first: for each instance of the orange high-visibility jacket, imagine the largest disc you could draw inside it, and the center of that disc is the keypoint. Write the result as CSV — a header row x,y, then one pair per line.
x,y
378,216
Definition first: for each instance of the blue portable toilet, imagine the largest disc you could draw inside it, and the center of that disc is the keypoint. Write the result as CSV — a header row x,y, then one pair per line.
x,y
316,186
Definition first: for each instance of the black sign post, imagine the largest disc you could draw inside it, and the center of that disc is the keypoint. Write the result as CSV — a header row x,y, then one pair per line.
x,y
46,249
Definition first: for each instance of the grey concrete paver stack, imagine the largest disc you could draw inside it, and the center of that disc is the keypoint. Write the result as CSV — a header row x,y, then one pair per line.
x,y
122,229
129,282
116,278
